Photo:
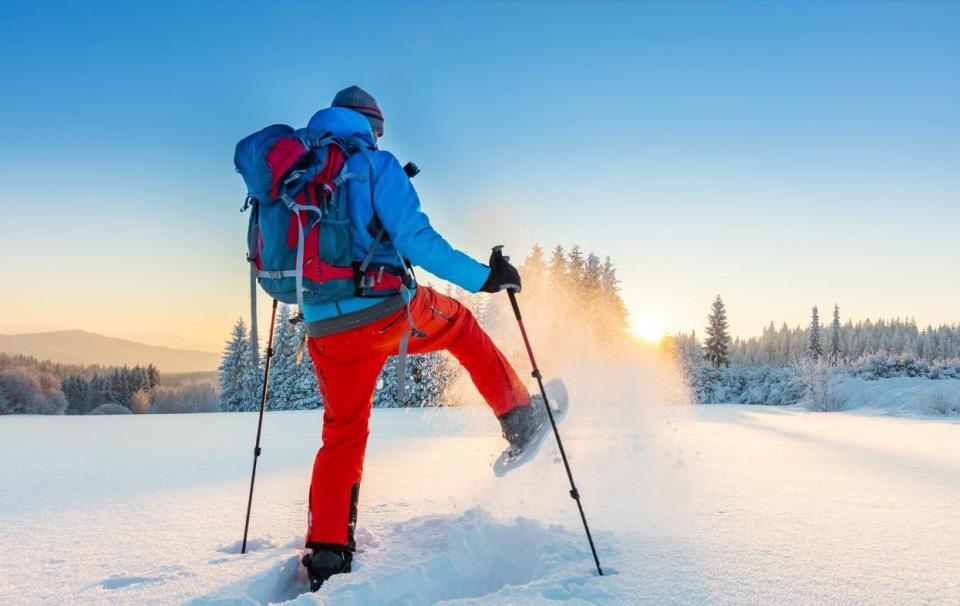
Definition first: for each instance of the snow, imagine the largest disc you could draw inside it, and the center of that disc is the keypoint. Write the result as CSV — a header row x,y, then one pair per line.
x,y
899,395
688,504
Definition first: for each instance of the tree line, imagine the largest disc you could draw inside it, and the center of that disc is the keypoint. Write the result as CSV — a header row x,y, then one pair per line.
x,y
293,382
57,369
788,365
31,386
117,386
838,343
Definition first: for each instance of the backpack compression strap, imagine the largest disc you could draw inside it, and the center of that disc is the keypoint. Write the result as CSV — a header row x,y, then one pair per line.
x,y
299,180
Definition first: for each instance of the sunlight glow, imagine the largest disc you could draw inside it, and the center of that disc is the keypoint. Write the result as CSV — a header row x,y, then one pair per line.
x,y
649,328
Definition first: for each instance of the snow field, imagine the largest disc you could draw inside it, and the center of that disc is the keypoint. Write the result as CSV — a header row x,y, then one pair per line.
x,y
689,505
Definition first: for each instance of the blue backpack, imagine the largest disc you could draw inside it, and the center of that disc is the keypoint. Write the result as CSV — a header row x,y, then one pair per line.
x,y
299,237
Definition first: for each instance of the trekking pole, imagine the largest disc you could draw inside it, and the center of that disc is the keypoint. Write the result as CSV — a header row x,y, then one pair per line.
x,y
574,493
263,404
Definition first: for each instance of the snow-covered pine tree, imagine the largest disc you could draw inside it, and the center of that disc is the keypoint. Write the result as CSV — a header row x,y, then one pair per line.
x,y
575,266
836,341
251,381
558,265
304,390
608,276
592,276
428,376
784,353
924,348
283,366
153,376
611,304
814,339
692,351
534,270
238,376
685,350
716,347
769,346
385,395
495,313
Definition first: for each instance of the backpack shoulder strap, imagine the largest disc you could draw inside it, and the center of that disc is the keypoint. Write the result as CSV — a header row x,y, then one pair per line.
x,y
381,231
296,182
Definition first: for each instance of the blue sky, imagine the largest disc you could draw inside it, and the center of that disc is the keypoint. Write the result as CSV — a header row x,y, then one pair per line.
x,y
780,154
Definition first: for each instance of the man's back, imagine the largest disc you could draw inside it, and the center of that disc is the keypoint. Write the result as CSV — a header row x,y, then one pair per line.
x,y
397,206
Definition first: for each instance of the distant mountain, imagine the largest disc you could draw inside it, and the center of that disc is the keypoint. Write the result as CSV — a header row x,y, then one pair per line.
x,y
81,347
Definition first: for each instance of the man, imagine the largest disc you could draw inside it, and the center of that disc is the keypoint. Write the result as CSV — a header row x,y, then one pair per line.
x,y
350,340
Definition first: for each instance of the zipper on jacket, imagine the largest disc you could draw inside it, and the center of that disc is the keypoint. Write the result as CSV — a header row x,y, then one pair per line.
x,y
437,312
391,324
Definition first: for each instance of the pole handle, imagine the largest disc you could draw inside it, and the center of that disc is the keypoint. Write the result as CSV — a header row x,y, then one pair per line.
x,y
497,255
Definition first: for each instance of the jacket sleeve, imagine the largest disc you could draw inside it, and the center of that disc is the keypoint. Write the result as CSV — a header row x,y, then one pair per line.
x,y
398,207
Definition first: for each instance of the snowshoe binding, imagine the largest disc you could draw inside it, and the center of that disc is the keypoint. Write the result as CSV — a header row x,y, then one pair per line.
x,y
321,564
526,427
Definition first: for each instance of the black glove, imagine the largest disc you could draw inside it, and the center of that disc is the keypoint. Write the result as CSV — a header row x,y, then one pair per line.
x,y
502,274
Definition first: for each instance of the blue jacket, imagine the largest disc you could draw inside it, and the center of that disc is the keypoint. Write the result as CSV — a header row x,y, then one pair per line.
x,y
398,207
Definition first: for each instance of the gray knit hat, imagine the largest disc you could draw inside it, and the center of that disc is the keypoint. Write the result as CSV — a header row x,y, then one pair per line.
x,y
359,100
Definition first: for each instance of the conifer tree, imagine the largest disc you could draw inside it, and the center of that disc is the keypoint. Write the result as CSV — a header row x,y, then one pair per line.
x,y
716,347
575,265
814,340
282,366
238,375
534,270
612,307
558,264
836,343
608,276
535,262
305,393
385,394
592,276
770,343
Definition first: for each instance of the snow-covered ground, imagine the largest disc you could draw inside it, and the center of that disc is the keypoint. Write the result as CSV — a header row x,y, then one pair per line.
x,y
907,396
689,505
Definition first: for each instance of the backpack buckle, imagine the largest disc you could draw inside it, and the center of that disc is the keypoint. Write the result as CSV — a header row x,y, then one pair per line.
x,y
367,281
295,175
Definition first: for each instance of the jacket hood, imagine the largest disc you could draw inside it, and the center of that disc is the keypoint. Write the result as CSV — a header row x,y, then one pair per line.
x,y
342,122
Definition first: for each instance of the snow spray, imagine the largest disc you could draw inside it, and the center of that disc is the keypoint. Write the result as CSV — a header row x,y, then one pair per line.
x,y
625,398
574,493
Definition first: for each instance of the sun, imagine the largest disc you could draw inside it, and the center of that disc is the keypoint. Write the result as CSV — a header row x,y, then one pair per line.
x,y
649,328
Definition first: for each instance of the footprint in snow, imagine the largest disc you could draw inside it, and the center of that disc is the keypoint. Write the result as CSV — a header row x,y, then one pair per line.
x,y
252,545
122,581
430,559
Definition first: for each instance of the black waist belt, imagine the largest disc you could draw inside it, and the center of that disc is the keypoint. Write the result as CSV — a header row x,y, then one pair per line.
x,y
354,319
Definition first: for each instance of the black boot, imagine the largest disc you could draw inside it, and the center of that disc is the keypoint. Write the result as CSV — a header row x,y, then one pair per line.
x,y
323,563
523,425
526,427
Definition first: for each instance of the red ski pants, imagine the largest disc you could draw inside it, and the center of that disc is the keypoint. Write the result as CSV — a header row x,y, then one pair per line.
x,y
348,364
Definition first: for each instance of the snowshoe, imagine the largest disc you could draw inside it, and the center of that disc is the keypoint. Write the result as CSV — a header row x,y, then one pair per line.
x,y
322,564
526,427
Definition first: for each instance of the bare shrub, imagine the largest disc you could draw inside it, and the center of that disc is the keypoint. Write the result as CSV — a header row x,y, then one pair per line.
x,y
820,393
190,396
29,391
